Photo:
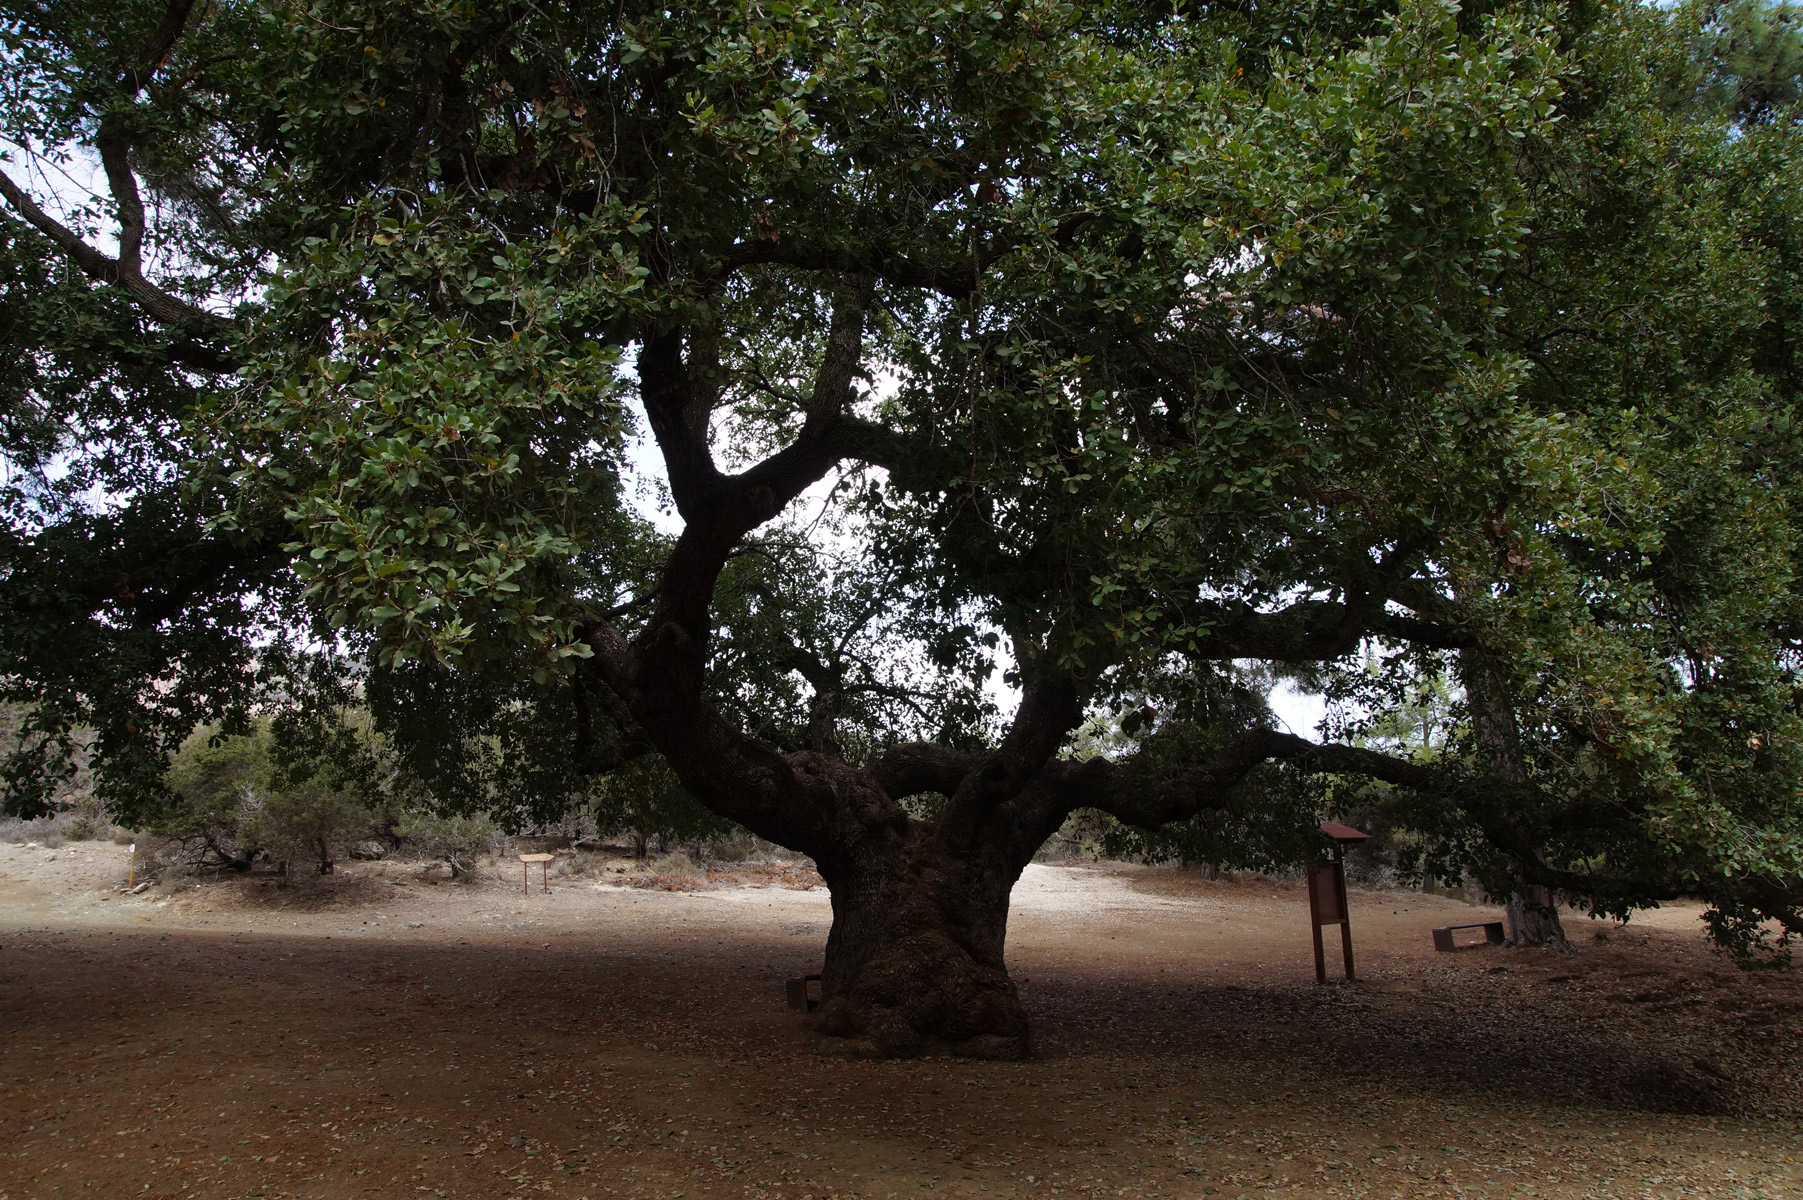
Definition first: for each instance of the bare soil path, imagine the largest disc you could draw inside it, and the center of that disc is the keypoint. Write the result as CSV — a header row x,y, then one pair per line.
x,y
374,1035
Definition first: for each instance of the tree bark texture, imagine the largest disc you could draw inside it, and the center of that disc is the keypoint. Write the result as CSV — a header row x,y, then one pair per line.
x,y
915,958
1533,918
1531,908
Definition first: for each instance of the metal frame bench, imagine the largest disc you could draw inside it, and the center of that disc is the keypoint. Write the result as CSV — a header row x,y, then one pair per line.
x,y
1493,936
797,990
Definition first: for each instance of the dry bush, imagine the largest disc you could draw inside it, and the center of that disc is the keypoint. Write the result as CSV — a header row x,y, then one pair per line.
x,y
674,872
79,824
796,876
579,864
87,827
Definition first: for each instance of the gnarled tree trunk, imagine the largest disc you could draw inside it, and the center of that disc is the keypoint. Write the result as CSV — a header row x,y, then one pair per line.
x,y
915,958
1533,918
1531,910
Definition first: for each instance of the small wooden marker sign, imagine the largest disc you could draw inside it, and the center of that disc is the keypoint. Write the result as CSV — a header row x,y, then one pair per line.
x,y
526,861
1327,896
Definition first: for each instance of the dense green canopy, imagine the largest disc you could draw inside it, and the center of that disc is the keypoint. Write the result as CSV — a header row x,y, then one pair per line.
x,y
1109,349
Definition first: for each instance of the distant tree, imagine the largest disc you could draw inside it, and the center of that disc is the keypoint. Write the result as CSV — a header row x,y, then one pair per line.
x,y
312,816
1754,56
1423,721
645,800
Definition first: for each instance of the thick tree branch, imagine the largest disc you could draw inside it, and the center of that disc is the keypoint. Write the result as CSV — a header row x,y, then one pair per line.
x,y
955,282
916,767
126,271
772,484
804,801
92,262
829,696
720,510
156,304
678,411
593,756
1777,901
115,159
174,24
1151,798
1307,631
1050,708
145,576
660,674
1312,630
679,402
844,352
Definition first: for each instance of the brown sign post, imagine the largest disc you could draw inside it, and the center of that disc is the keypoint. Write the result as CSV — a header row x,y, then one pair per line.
x,y
1327,896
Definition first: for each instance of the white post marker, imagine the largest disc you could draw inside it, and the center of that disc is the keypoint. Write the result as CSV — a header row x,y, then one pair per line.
x,y
131,874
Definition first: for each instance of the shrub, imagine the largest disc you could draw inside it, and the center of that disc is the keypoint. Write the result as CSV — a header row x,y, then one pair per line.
x,y
51,831
234,799
457,840
86,827
673,873
217,784
677,866
310,819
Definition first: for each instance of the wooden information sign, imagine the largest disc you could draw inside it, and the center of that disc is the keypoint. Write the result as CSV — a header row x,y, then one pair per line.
x,y
1327,896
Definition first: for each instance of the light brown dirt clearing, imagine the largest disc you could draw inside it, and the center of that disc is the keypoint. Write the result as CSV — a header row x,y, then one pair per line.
x,y
373,1035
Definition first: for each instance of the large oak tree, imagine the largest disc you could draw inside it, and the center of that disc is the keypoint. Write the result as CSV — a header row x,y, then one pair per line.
x,y
1108,347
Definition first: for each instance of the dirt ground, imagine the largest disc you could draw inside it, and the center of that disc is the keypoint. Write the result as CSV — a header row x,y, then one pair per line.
x,y
377,1035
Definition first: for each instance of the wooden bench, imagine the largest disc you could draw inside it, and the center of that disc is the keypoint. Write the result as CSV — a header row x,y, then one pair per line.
x,y
1493,936
797,990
